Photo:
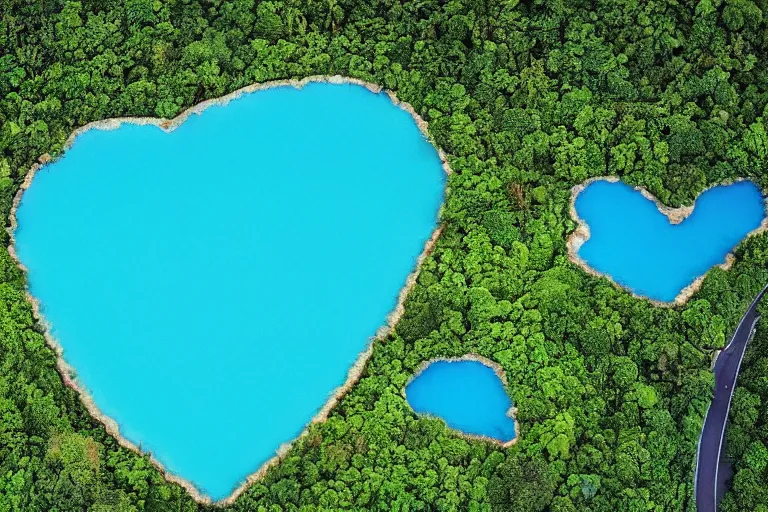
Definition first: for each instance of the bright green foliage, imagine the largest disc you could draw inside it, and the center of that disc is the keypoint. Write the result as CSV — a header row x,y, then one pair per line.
x,y
527,99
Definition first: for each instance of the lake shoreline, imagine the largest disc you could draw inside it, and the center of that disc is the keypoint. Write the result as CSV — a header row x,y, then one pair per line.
x,y
68,373
581,234
500,373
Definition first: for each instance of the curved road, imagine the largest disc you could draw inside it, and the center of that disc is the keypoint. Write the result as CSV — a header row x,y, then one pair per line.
x,y
710,481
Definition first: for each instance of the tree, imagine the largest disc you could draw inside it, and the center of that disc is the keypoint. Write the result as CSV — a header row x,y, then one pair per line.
x,y
521,485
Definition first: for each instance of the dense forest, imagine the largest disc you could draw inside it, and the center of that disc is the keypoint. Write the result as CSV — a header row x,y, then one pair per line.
x,y
527,98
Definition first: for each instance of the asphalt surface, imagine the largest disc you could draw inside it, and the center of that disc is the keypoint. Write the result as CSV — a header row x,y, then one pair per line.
x,y
711,470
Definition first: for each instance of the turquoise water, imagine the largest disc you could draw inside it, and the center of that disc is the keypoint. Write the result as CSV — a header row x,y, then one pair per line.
x,y
213,286
468,395
637,246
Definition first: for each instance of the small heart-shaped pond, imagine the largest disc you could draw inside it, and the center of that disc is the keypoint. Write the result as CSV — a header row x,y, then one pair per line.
x,y
213,285
640,248
469,394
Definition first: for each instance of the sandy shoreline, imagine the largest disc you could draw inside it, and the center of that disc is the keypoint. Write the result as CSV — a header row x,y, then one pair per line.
x,y
500,373
168,125
675,215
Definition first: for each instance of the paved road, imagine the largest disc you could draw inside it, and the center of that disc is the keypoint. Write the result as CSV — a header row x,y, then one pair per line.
x,y
710,472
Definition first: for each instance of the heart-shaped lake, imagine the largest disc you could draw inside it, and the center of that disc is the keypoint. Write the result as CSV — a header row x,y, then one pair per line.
x,y
213,285
641,248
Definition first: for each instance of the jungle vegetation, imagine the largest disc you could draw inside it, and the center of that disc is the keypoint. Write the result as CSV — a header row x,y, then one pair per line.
x,y
528,98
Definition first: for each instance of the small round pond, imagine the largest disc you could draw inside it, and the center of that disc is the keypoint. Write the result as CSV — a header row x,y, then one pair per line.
x,y
467,394
213,285
637,246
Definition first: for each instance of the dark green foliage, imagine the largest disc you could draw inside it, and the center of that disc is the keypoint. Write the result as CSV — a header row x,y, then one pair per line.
x,y
528,99
521,485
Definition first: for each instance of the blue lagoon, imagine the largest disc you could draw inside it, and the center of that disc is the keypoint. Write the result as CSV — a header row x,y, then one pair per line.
x,y
213,285
636,245
467,394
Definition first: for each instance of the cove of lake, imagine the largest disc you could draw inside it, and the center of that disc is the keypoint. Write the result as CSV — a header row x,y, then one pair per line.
x,y
213,285
636,245
467,395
